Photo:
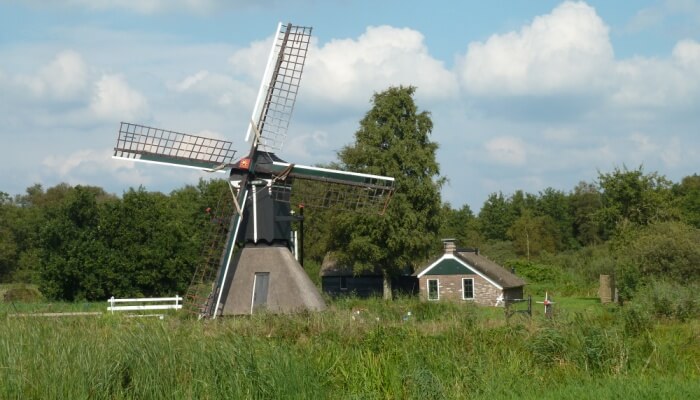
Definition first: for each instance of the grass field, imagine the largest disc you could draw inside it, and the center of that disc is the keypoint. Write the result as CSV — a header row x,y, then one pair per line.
x,y
441,351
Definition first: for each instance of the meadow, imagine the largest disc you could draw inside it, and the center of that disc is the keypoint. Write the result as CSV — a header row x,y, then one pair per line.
x,y
358,349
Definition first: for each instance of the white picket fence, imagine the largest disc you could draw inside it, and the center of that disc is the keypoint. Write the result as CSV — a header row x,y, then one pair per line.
x,y
152,303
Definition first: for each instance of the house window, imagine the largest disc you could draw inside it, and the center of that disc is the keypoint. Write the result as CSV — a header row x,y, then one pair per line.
x,y
433,291
467,288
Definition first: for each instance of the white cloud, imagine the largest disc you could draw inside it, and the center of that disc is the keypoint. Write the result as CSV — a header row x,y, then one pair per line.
x,y
303,145
114,99
250,61
216,89
561,52
63,78
348,71
63,166
191,80
506,150
84,165
659,83
686,54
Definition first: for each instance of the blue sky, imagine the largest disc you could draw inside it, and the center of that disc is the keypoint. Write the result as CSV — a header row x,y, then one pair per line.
x,y
523,95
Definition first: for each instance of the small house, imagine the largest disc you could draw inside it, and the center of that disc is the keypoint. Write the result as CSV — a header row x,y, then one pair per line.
x,y
465,275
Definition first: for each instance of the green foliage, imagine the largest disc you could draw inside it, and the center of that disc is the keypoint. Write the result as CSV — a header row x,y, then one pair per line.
x,y
585,201
501,251
537,273
459,224
687,199
664,299
393,140
533,235
632,197
636,320
664,250
22,293
495,217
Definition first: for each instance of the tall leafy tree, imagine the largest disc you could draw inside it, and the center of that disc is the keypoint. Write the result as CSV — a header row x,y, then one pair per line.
x,y
533,235
555,204
495,217
633,197
687,199
74,258
8,243
585,201
460,224
393,139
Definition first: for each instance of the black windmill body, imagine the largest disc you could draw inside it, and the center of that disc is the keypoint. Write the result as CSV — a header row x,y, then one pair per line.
x,y
263,273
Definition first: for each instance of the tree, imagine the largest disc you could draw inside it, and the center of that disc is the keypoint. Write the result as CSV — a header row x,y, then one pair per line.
x,y
495,217
393,139
75,261
532,234
687,199
459,224
585,201
554,204
659,251
632,197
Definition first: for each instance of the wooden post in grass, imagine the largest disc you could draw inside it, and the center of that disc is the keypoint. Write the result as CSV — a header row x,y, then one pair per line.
x,y
548,305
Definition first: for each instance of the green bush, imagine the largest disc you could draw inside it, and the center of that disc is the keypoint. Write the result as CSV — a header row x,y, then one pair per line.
x,y
665,299
22,294
635,320
535,272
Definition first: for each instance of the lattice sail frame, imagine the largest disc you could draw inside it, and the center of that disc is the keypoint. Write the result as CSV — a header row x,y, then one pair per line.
x,y
316,187
143,143
276,99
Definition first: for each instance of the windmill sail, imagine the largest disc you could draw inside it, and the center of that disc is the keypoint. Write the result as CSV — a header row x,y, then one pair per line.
x,y
317,187
275,103
147,144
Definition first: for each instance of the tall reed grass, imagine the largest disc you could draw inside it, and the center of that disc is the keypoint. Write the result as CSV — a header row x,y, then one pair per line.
x,y
358,349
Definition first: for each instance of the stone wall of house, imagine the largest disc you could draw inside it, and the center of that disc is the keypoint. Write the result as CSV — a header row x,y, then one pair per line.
x,y
450,289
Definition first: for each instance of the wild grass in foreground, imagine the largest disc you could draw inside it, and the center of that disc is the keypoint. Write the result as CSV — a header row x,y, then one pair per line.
x,y
364,349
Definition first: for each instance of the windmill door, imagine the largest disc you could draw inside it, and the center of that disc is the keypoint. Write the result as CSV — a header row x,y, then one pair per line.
x,y
260,286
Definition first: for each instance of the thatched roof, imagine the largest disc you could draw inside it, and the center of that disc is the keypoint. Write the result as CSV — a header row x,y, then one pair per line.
x,y
500,275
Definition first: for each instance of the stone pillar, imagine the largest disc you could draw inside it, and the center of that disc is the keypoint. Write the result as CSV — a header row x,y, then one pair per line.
x,y
606,291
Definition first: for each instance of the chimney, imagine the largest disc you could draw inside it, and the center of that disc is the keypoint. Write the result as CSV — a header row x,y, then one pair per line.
x,y
450,245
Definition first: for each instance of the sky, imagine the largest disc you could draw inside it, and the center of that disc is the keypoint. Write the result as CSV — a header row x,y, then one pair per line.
x,y
523,95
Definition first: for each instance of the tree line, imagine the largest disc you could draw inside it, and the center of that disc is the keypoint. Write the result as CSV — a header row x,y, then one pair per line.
x,y
79,242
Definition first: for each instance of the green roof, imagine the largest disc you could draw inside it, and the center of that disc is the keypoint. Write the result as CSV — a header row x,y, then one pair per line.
x,y
449,266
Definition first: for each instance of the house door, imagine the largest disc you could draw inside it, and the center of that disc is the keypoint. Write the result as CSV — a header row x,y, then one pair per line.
x,y
260,285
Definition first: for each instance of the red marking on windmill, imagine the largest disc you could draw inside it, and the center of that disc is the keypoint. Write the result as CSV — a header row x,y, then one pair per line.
x,y
244,164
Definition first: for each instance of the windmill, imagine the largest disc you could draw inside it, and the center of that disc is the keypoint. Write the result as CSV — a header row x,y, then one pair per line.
x,y
263,273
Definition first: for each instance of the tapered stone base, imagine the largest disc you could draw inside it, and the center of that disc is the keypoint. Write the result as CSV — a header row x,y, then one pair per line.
x,y
289,288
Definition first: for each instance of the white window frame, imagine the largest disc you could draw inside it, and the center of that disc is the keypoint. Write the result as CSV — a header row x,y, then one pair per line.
x,y
427,287
463,294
